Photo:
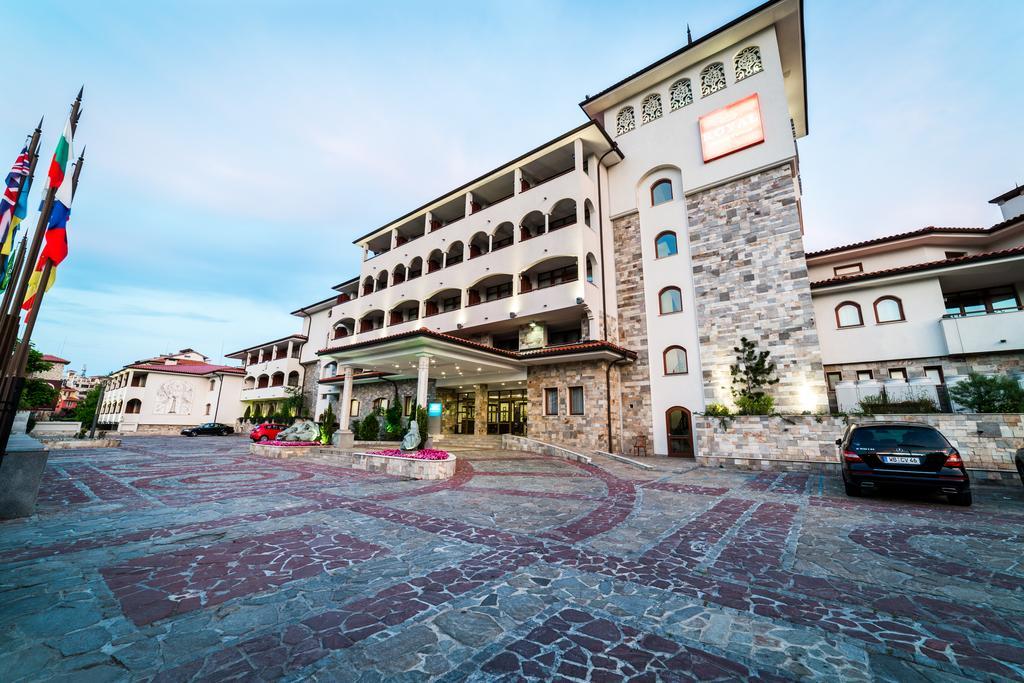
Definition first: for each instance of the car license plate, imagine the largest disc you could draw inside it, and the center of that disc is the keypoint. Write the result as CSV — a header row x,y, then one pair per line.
x,y
900,460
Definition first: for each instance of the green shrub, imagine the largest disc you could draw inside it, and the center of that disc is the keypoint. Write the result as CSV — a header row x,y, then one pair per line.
x,y
881,405
393,423
421,422
981,394
762,404
717,410
328,425
369,428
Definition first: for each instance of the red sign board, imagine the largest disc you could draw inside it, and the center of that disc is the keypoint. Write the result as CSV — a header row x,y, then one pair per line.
x,y
731,128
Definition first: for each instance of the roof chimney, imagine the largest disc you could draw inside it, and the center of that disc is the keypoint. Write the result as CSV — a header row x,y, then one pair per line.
x,y
1010,203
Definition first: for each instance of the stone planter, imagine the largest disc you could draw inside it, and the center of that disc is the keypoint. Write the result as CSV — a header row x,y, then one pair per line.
x,y
410,468
68,444
21,471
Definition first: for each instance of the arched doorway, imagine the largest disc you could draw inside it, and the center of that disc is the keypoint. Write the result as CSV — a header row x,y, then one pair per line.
x,y
679,427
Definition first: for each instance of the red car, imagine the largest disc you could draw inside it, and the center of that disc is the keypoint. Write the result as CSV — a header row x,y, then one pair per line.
x,y
267,431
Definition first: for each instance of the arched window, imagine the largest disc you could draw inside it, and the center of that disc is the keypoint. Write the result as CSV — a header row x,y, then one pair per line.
x,y
625,121
680,94
650,109
665,244
675,360
670,300
712,79
207,408
748,62
134,407
213,384
889,309
661,192
591,268
848,315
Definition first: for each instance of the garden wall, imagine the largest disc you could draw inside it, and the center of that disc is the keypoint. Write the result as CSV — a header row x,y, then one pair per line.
x,y
987,442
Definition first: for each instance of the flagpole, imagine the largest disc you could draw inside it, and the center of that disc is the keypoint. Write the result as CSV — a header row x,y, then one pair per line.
x,y
5,333
16,355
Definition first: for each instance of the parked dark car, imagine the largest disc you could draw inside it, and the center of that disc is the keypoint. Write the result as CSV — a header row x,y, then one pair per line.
x,y
1018,460
902,455
209,429
267,431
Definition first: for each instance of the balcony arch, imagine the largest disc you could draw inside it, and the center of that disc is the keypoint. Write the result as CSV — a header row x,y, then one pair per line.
x,y
435,261
532,225
134,407
563,214
371,320
591,269
250,382
454,255
404,312
382,281
329,370
490,288
588,213
277,379
551,271
503,236
479,245
293,378
442,301
344,328
368,285
398,274
415,269
263,381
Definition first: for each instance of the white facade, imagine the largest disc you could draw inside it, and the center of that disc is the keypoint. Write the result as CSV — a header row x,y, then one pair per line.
x,y
271,369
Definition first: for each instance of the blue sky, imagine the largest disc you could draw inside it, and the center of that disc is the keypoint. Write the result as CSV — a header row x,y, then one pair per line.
x,y
235,149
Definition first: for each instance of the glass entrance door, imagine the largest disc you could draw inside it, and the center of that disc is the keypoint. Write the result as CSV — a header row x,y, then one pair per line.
x,y
506,412
465,413
680,437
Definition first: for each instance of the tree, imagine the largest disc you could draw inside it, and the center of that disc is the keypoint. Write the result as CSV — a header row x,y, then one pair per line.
x,y
295,404
328,424
37,393
86,408
751,375
981,394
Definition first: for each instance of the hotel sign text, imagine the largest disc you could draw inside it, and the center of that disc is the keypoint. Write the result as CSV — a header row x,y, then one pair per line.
x,y
731,128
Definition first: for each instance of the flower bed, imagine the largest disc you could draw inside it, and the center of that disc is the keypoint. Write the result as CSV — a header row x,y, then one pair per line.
x,y
425,454
291,443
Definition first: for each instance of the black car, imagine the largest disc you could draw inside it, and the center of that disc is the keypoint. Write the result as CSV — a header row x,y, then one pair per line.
x,y
1018,460
902,455
209,429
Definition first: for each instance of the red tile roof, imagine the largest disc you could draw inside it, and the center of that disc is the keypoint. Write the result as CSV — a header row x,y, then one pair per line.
x,y
916,267
189,368
930,230
581,347
55,359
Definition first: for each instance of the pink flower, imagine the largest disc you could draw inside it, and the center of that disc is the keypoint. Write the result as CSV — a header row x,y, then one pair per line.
x,y
291,443
425,454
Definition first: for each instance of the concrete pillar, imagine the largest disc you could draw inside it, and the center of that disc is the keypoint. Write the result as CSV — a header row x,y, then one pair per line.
x,y
423,380
259,359
480,409
290,347
345,439
248,359
517,180
577,152
273,352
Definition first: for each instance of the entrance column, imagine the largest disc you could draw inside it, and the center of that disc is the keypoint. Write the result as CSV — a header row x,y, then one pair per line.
x,y
345,437
422,380
480,409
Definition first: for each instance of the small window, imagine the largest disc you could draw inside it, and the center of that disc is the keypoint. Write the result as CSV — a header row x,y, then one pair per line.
x,y
551,401
889,309
934,373
850,269
213,384
863,375
748,62
575,400
675,360
665,244
833,378
712,79
848,315
407,406
898,373
650,108
625,121
354,407
380,404
670,300
680,94
956,254
208,408
661,192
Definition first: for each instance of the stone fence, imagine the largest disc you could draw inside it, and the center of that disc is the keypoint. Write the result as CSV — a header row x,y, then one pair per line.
x,y
987,442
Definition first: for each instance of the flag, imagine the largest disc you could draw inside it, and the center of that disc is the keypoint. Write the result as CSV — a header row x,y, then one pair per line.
x,y
8,273
15,195
56,247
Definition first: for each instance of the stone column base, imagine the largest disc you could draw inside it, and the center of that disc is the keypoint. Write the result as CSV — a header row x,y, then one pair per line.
x,y
344,438
20,474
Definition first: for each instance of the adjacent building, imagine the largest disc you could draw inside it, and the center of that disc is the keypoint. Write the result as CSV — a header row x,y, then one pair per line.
x,y
273,370
54,376
165,393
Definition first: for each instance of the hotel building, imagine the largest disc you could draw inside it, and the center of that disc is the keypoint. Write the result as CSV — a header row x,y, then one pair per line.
x,y
591,291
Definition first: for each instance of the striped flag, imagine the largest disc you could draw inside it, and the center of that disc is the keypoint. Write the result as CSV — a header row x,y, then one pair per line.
x,y
56,247
15,195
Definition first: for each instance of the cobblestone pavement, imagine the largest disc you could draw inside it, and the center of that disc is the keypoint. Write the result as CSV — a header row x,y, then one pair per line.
x,y
187,559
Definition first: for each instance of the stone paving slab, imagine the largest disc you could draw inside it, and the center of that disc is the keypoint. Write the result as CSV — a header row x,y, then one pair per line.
x,y
188,559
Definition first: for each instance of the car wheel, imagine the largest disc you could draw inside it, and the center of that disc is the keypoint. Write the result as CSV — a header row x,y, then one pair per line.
x,y
963,498
189,434
852,489
264,438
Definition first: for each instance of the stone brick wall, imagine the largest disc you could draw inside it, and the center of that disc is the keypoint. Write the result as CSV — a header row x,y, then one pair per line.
x,y
587,431
986,363
635,377
986,442
750,279
311,388
367,393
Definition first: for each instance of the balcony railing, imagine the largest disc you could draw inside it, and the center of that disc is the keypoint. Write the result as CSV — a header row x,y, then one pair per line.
x,y
1002,331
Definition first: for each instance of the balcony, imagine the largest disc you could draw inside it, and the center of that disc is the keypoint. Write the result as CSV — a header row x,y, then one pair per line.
x,y
1002,331
265,394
